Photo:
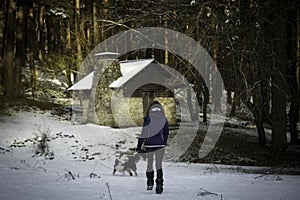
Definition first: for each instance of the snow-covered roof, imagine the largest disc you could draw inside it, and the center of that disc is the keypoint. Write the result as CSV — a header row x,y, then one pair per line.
x,y
84,84
128,70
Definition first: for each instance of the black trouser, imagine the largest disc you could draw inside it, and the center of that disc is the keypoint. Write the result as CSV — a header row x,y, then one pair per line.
x,y
159,155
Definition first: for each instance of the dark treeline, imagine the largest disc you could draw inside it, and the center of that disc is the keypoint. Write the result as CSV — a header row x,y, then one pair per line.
x,y
254,43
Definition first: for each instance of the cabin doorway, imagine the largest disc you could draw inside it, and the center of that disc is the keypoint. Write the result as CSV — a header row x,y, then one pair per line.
x,y
148,97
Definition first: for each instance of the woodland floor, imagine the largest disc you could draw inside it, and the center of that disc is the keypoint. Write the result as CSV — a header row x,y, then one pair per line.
x,y
234,146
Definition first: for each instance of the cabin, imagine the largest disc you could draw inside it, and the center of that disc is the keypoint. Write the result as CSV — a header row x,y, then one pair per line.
x,y
125,103
142,82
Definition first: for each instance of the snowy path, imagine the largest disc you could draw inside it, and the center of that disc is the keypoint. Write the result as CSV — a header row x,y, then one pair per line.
x,y
25,177
48,181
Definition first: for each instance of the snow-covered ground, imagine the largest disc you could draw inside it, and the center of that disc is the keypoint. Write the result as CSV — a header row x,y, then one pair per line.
x,y
83,160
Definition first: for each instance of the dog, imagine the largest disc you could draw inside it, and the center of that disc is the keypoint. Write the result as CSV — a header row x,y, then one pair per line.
x,y
126,163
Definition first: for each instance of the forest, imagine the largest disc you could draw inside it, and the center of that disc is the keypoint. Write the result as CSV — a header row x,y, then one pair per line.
x,y
255,45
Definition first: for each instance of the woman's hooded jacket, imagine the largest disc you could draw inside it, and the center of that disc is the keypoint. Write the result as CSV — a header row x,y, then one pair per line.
x,y
155,129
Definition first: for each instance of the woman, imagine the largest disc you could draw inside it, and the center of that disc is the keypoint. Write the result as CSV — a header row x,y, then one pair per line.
x,y
154,137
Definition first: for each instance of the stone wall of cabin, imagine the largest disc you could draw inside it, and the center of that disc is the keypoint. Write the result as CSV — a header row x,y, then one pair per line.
x,y
119,116
169,106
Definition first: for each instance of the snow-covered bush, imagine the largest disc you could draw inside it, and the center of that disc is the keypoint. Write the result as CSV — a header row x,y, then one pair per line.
x,y
42,138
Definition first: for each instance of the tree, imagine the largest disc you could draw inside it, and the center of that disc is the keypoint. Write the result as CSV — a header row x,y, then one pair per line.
x,y
12,70
278,20
293,70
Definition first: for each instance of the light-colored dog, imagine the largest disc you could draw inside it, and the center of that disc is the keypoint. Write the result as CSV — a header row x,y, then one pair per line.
x,y
126,163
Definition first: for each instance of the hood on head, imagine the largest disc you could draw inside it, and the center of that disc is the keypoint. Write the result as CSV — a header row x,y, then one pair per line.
x,y
156,111
157,118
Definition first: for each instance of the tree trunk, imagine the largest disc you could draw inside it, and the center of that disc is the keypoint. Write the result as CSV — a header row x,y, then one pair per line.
x,y
293,120
259,123
9,48
266,95
50,36
31,48
264,68
95,23
216,91
77,30
279,139
258,111
20,55
33,77
41,38
205,102
293,34
4,26
229,97
68,52
235,103
194,115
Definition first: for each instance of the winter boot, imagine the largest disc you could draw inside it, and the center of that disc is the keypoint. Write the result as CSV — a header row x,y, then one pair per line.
x,y
159,182
150,180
